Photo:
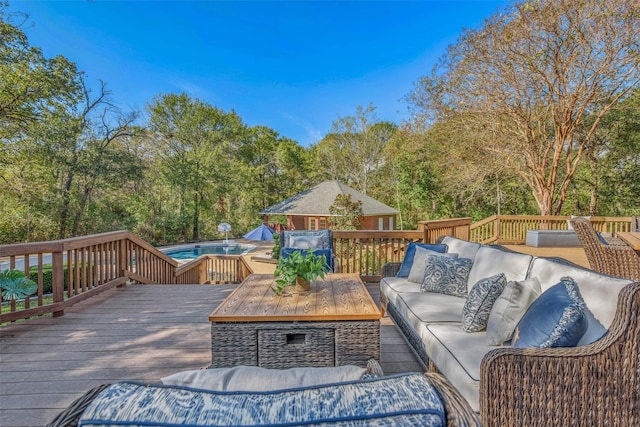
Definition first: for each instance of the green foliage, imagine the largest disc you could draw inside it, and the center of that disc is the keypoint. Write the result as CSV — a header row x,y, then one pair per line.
x,y
47,276
275,252
348,213
15,285
515,93
308,266
71,164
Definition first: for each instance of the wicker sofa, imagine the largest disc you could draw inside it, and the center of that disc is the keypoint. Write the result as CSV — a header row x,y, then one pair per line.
x,y
594,384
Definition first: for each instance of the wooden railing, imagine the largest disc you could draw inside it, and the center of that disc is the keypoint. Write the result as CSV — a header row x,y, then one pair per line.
x,y
78,268
71,270
512,229
457,227
366,251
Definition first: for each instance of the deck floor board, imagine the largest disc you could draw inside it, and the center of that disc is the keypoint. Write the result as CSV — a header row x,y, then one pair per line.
x,y
139,333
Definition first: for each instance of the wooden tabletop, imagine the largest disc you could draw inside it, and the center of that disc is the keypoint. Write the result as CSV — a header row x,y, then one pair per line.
x,y
338,297
630,238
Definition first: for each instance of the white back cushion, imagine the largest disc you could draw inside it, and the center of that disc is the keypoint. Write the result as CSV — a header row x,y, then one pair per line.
x,y
491,261
463,248
599,291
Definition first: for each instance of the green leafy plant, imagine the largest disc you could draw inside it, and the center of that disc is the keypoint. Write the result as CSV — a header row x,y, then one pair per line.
x,y
275,252
308,266
47,276
15,285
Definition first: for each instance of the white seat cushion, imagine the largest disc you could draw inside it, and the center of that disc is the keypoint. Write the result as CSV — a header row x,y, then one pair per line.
x,y
254,378
391,286
457,355
430,307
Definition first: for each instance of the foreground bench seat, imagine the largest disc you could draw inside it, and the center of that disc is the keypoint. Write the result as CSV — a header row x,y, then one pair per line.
x,y
253,396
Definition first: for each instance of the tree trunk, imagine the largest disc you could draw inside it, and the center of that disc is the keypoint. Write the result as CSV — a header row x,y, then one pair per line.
x,y
86,194
196,215
64,208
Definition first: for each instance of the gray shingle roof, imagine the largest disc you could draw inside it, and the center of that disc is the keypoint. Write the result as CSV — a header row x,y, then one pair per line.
x,y
316,201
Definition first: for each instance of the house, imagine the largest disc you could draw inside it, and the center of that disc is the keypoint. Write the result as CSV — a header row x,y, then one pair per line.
x,y
309,210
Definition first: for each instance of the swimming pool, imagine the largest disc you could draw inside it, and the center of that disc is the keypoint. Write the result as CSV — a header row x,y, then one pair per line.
x,y
194,251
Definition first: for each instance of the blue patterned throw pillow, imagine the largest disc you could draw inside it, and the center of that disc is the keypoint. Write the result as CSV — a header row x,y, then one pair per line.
x,y
446,275
556,319
476,311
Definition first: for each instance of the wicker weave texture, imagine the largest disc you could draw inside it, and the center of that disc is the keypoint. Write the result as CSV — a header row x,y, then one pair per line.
x,y
458,411
615,259
594,385
292,344
390,269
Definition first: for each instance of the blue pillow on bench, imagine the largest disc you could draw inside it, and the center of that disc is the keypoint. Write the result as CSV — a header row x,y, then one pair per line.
x,y
410,252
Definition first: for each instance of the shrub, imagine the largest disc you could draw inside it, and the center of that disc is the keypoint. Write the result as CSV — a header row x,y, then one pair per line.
x,y
47,277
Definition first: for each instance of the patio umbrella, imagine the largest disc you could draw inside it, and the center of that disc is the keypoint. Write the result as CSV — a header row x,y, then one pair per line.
x,y
262,232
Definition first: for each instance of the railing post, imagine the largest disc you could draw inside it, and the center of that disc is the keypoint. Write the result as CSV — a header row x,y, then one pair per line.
x,y
122,259
57,281
202,272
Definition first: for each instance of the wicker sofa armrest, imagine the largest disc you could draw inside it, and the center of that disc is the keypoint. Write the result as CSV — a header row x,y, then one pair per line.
x,y
390,269
592,385
457,410
70,416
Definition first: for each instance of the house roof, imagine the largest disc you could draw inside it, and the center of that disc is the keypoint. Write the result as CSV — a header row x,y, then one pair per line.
x,y
318,199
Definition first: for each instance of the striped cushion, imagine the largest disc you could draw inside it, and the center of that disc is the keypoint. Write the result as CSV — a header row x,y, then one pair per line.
x,y
389,401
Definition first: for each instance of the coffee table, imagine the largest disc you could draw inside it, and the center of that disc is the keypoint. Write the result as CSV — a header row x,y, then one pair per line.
x,y
335,323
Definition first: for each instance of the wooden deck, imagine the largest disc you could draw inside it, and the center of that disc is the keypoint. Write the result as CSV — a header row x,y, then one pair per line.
x,y
141,332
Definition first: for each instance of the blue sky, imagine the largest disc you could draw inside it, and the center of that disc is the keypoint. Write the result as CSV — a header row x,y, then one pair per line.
x,y
295,67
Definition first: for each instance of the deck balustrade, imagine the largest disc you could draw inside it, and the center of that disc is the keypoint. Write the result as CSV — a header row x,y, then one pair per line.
x,y
512,229
71,270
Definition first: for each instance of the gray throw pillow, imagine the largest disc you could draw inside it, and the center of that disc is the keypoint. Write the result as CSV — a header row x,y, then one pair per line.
x,y
509,308
446,275
482,296
419,261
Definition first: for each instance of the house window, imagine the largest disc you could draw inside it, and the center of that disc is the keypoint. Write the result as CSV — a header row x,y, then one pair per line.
x,y
391,223
323,224
380,223
313,224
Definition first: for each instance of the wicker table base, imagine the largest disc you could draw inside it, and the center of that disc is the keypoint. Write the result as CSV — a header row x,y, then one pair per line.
x,y
292,344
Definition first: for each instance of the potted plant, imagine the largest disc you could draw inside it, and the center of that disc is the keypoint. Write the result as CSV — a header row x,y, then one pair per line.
x,y
299,268
15,285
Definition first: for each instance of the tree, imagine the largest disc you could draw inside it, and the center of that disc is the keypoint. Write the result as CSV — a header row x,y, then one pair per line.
x,y
347,213
30,83
78,144
609,181
525,81
353,152
197,144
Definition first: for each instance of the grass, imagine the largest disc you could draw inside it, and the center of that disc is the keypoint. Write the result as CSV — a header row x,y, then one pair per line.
x,y
20,305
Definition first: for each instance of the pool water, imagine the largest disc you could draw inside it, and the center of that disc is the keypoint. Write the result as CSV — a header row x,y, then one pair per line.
x,y
197,250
